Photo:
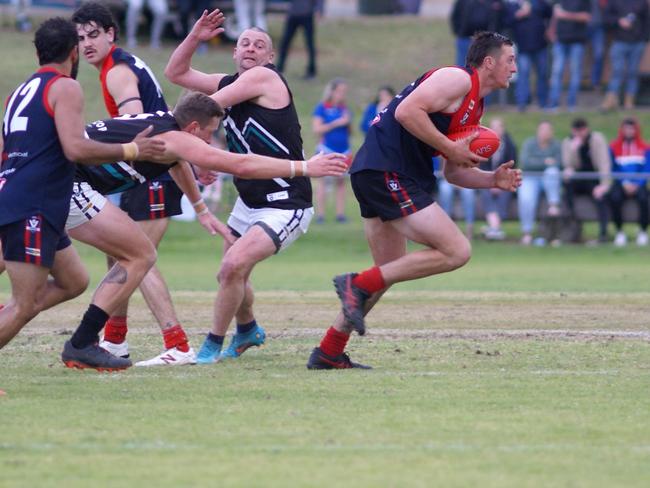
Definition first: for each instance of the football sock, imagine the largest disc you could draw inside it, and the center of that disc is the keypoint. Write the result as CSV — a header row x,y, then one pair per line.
x,y
245,328
175,337
88,331
370,280
334,342
115,330
217,339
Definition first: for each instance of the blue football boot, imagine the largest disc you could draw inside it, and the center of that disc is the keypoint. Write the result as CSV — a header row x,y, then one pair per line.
x,y
209,352
241,342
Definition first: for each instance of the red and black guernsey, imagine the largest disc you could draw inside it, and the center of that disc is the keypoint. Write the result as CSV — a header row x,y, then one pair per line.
x,y
123,175
251,128
150,92
35,176
391,148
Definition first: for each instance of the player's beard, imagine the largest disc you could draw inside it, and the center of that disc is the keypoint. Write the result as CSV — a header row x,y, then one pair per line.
x,y
75,69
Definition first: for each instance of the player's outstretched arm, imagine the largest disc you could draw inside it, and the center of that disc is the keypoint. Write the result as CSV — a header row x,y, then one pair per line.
x,y
179,70
183,175
66,99
250,166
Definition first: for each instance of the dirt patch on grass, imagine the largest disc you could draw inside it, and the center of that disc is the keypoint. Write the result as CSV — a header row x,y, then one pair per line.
x,y
488,316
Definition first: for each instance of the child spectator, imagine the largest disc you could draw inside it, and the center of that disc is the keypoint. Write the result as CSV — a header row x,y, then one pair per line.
x,y
332,121
384,96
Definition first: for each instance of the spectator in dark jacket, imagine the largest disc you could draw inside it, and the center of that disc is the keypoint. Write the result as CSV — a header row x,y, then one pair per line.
x,y
471,16
570,29
302,13
495,202
628,21
528,20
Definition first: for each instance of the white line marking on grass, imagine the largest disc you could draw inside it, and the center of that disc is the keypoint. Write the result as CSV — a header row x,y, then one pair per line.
x,y
163,445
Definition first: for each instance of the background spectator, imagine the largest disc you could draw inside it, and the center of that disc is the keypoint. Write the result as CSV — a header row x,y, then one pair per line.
x,y
587,151
541,153
250,13
569,28
302,13
630,154
596,31
495,201
471,16
446,193
332,121
628,20
158,8
528,20
190,8
384,96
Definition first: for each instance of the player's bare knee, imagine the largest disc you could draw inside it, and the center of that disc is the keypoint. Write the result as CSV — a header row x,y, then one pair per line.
x,y
231,270
25,310
146,256
461,254
151,258
78,286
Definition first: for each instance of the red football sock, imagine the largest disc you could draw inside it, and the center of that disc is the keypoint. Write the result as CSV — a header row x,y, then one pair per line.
x,y
334,342
370,280
115,330
175,337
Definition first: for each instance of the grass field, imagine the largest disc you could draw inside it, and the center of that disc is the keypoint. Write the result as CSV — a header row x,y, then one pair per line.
x,y
528,367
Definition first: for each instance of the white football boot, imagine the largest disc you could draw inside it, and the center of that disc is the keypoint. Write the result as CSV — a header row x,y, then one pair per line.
x,y
170,357
120,350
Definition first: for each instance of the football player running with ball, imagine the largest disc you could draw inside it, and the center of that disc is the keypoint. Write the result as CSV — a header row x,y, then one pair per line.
x,y
393,181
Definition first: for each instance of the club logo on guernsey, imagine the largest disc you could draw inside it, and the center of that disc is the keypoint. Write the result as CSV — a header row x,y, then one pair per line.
x,y
393,185
470,107
155,185
33,225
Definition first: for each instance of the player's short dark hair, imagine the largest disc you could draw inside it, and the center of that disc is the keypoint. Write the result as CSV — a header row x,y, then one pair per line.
x,y
196,106
54,39
485,44
98,13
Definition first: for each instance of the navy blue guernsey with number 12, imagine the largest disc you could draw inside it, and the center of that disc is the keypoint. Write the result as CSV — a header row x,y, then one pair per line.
x,y
35,176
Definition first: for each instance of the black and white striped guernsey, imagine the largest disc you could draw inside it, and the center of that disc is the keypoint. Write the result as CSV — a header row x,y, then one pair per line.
x,y
251,128
117,177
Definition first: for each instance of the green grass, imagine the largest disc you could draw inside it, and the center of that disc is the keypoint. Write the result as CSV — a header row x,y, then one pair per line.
x,y
434,414
527,367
